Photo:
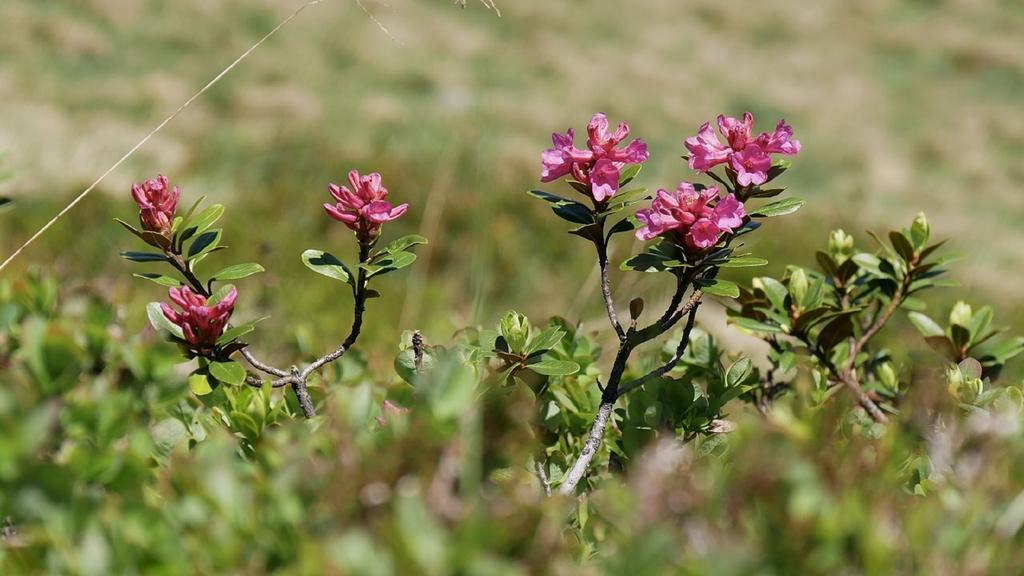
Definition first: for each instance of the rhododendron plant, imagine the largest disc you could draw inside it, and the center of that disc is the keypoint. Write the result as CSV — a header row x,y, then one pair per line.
x,y
694,226
200,324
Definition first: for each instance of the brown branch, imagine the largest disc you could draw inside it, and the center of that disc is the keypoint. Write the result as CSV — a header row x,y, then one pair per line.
x,y
606,289
691,309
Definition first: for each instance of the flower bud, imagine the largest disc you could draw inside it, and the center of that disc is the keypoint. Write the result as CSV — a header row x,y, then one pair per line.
x,y
840,246
201,323
515,328
158,203
888,377
920,231
961,314
798,286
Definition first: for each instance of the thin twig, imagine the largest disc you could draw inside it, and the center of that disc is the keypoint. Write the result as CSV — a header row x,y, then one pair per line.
x,y
691,309
153,132
606,289
543,477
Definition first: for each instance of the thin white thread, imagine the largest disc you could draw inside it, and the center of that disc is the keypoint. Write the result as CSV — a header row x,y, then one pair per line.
x,y
152,133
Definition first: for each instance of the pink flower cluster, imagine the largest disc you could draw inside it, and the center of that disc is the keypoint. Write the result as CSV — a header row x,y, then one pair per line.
x,y
157,204
201,324
598,166
699,217
363,208
749,157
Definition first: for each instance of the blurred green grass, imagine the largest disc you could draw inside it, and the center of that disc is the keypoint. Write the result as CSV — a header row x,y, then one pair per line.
x,y
901,107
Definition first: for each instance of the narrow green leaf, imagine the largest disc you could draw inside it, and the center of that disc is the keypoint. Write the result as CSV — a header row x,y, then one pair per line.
x,y
548,367
925,325
160,279
628,173
206,218
404,242
238,271
779,208
743,262
204,243
219,294
723,288
755,325
546,340
738,372
143,257
237,332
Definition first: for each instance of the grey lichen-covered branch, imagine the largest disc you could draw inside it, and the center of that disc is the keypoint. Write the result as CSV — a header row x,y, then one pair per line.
x,y
296,378
615,390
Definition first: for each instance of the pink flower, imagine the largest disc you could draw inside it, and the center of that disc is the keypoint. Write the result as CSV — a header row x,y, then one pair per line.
x,y
157,204
202,325
604,179
751,165
698,217
599,166
748,156
365,209
558,161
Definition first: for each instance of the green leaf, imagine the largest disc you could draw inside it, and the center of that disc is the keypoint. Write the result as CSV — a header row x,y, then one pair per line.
x,y
199,384
404,242
187,218
160,322
723,288
775,291
547,367
925,325
834,332
779,208
325,263
238,271
755,325
389,263
576,213
743,262
627,174
546,340
151,238
204,243
219,294
237,332
143,257
229,372
980,322
919,231
567,209
160,279
869,262
738,372
625,225
206,218
902,246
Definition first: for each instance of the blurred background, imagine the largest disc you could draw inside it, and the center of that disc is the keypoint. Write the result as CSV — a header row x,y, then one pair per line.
x,y
900,106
